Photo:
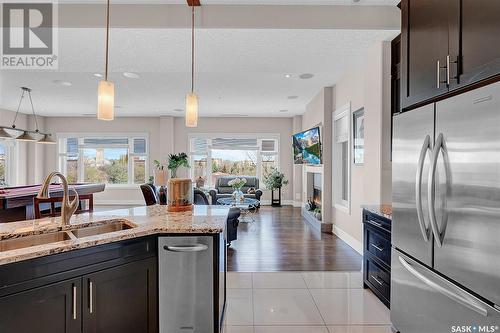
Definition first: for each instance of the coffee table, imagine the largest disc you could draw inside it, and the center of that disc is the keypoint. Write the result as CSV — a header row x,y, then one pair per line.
x,y
248,207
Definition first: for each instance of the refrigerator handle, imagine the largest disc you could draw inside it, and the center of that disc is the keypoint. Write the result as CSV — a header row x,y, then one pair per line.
x,y
431,188
448,293
418,187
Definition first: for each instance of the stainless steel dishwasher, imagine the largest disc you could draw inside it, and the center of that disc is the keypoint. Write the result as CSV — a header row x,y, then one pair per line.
x,y
186,284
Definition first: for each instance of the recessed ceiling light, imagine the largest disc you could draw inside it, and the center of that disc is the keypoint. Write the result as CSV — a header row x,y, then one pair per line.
x,y
283,111
306,76
131,75
178,110
99,75
118,106
293,97
288,76
63,83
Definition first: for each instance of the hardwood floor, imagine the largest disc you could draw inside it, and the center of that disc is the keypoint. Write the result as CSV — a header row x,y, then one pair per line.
x,y
280,240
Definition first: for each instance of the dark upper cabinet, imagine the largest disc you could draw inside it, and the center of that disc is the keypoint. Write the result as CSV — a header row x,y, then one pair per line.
x,y
474,42
48,309
447,45
122,299
424,41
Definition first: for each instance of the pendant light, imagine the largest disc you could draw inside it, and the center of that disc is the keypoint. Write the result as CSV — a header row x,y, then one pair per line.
x,y
106,89
26,135
191,97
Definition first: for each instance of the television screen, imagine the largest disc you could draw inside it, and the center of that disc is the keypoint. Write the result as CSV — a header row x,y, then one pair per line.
x,y
307,147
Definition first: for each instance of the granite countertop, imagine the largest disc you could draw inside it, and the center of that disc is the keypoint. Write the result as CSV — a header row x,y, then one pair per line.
x,y
384,210
145,221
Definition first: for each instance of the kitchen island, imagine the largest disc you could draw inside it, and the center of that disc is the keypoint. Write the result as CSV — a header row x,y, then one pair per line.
x,y
105,272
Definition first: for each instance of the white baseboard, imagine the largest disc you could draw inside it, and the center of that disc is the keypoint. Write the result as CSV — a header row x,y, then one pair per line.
x,y
351,241
297,204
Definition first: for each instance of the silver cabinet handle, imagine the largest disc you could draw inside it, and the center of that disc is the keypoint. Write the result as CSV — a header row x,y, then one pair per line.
x,y
469,303
91,297
74,302
377,224
431,189
377,280
381,249
448,69
418,187
186,248
438,83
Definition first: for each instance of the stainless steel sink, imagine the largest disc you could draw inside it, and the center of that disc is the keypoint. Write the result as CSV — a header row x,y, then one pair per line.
x,y
102,229
33,240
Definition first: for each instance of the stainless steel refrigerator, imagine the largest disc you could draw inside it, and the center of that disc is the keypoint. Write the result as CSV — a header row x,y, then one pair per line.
x,y
445,270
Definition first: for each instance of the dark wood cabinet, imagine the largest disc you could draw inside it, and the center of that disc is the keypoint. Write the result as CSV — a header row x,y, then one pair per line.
x,y
52,308
121,299
474,42
377,255
108,288
424,39
447,46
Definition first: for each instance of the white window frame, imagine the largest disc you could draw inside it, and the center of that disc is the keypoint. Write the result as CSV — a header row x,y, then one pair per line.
x,y
61,152
11,153
338,202
258,136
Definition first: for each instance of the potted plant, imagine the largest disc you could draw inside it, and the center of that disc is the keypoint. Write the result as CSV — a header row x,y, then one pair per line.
x,y
237,184
273,181
180,190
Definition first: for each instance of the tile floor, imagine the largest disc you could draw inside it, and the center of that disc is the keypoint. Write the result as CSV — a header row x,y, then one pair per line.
x,y
302,302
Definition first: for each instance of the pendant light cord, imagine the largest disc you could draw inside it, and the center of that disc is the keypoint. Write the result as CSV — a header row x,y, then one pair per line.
x,y
18,107
192,48
107,41
33,110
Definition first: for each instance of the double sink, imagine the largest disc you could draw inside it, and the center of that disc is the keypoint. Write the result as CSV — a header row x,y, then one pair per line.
x,y
58,236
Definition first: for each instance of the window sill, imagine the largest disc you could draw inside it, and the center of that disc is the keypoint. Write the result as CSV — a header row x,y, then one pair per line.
x,y
122,187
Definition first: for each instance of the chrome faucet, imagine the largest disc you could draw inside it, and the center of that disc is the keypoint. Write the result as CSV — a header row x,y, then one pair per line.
x,y
68,208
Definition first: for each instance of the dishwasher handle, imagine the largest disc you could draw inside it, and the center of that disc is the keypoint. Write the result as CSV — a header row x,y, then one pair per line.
x,y
186,248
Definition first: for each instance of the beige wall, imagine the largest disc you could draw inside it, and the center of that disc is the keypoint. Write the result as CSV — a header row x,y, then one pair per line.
x,y
29,155
158,146
168,135
319,112
281,126
368,87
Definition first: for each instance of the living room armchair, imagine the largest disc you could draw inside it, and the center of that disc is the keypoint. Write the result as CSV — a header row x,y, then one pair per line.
x,y
224,190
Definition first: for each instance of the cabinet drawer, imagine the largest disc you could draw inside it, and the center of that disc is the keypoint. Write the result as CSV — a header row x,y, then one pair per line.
x,y
378,277
378,244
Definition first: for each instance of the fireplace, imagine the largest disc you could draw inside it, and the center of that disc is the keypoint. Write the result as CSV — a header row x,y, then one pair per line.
x,y
316,190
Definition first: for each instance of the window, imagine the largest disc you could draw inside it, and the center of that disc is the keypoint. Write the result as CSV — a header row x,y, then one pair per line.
x,y
214,156
341,158
114,160
7,161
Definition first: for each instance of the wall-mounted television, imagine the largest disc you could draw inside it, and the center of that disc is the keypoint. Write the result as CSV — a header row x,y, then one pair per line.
x,y
307,147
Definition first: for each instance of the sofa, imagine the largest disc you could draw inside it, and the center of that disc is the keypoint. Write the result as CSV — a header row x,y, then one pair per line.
x,y
224,190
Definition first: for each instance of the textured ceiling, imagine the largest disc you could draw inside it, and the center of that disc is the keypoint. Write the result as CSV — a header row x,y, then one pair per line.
x,y
240,72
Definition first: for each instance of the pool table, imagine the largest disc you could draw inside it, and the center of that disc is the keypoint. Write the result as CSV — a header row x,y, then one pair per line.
x,y
16,203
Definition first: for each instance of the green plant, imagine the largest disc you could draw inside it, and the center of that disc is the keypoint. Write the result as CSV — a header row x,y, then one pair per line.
x,y
175,161
158,165
275,180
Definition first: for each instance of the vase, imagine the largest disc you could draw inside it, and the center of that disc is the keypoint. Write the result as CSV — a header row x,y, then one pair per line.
x,y
180,195
238,196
